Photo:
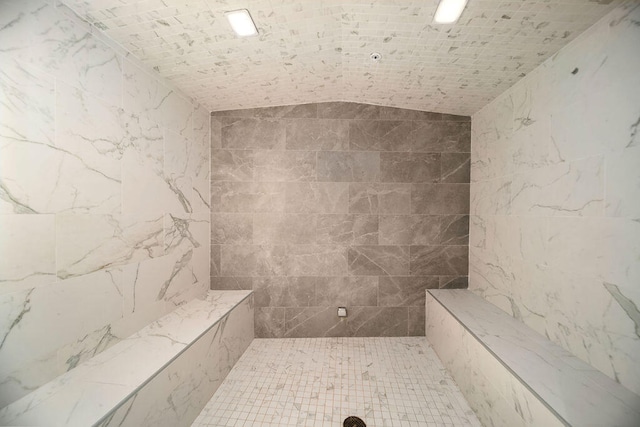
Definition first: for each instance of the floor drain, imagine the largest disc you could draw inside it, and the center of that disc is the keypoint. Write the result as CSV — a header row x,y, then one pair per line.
x,y
353,422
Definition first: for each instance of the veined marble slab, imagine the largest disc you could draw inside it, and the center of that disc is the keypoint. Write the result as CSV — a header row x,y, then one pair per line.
x,y
576,393
193,343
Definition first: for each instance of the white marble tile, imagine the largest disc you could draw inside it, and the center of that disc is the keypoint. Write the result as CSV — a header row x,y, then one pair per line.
x,y
202,125
557,377
621,253
565,189
27,251
15,40
568,161
622,191
88,393
88,243
177,114
28,102
575,245
90,129
72,314
475,371
602,91
181,390
69,52
76,143
491,197
390,381
146,184
143,94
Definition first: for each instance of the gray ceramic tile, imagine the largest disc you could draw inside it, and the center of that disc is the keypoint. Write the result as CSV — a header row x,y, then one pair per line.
x,y
378,260
410,229
317,197
231,283
215,260
455,167
252,260
340,166
434,199
410,167
347,229
442,137
231,228
405,291
283,166
379,198
347,110
439,260
378,321
231,165
456,118
454,282
317,134
314,322
216,133
281,228
285,112
247,133
340,202
381,135
316,260
284,291
390,113
269,322
454,230
247,197
416,322
346,291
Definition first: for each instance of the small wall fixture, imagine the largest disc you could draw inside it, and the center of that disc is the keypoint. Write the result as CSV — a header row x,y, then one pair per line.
x,y
241,22
449,11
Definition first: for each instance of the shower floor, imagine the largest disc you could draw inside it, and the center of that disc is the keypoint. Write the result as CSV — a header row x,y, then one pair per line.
x,y
320,381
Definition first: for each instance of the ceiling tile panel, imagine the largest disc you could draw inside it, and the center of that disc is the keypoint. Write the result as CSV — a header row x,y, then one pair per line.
x,y
313,51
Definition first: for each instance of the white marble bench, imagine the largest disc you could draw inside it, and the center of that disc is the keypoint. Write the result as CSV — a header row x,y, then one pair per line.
x,y
161,376
513,376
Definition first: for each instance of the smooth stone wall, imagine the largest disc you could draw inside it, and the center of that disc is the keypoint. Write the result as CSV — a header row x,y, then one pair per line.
x,y
104,195
555,198
337,204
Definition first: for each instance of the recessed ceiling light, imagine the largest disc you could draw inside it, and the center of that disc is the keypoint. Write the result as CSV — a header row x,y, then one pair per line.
x,y
241,22
449,11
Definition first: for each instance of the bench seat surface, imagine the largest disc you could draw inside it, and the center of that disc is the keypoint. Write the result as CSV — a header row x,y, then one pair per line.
x,y
576,392
85,394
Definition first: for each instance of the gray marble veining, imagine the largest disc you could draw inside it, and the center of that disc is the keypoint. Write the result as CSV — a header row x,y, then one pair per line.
x,y
334,204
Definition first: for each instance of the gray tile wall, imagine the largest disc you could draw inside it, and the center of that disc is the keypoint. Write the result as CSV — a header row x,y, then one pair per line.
x,y
338,204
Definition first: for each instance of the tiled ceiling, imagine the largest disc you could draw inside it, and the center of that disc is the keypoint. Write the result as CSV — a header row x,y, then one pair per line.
x,y
315,51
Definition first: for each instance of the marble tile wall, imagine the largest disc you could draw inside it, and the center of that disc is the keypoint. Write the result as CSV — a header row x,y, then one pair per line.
x,y
495,394
104,195
555,198
322,205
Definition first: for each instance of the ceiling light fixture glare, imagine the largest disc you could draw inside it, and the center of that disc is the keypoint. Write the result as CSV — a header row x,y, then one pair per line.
x,y
449,11
241,22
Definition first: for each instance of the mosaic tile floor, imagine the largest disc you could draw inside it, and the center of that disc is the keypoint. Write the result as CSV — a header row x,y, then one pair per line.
x,y
320,381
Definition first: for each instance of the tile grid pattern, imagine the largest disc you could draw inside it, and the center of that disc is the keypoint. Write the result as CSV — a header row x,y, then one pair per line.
x,y
320,381
319,51
339,204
